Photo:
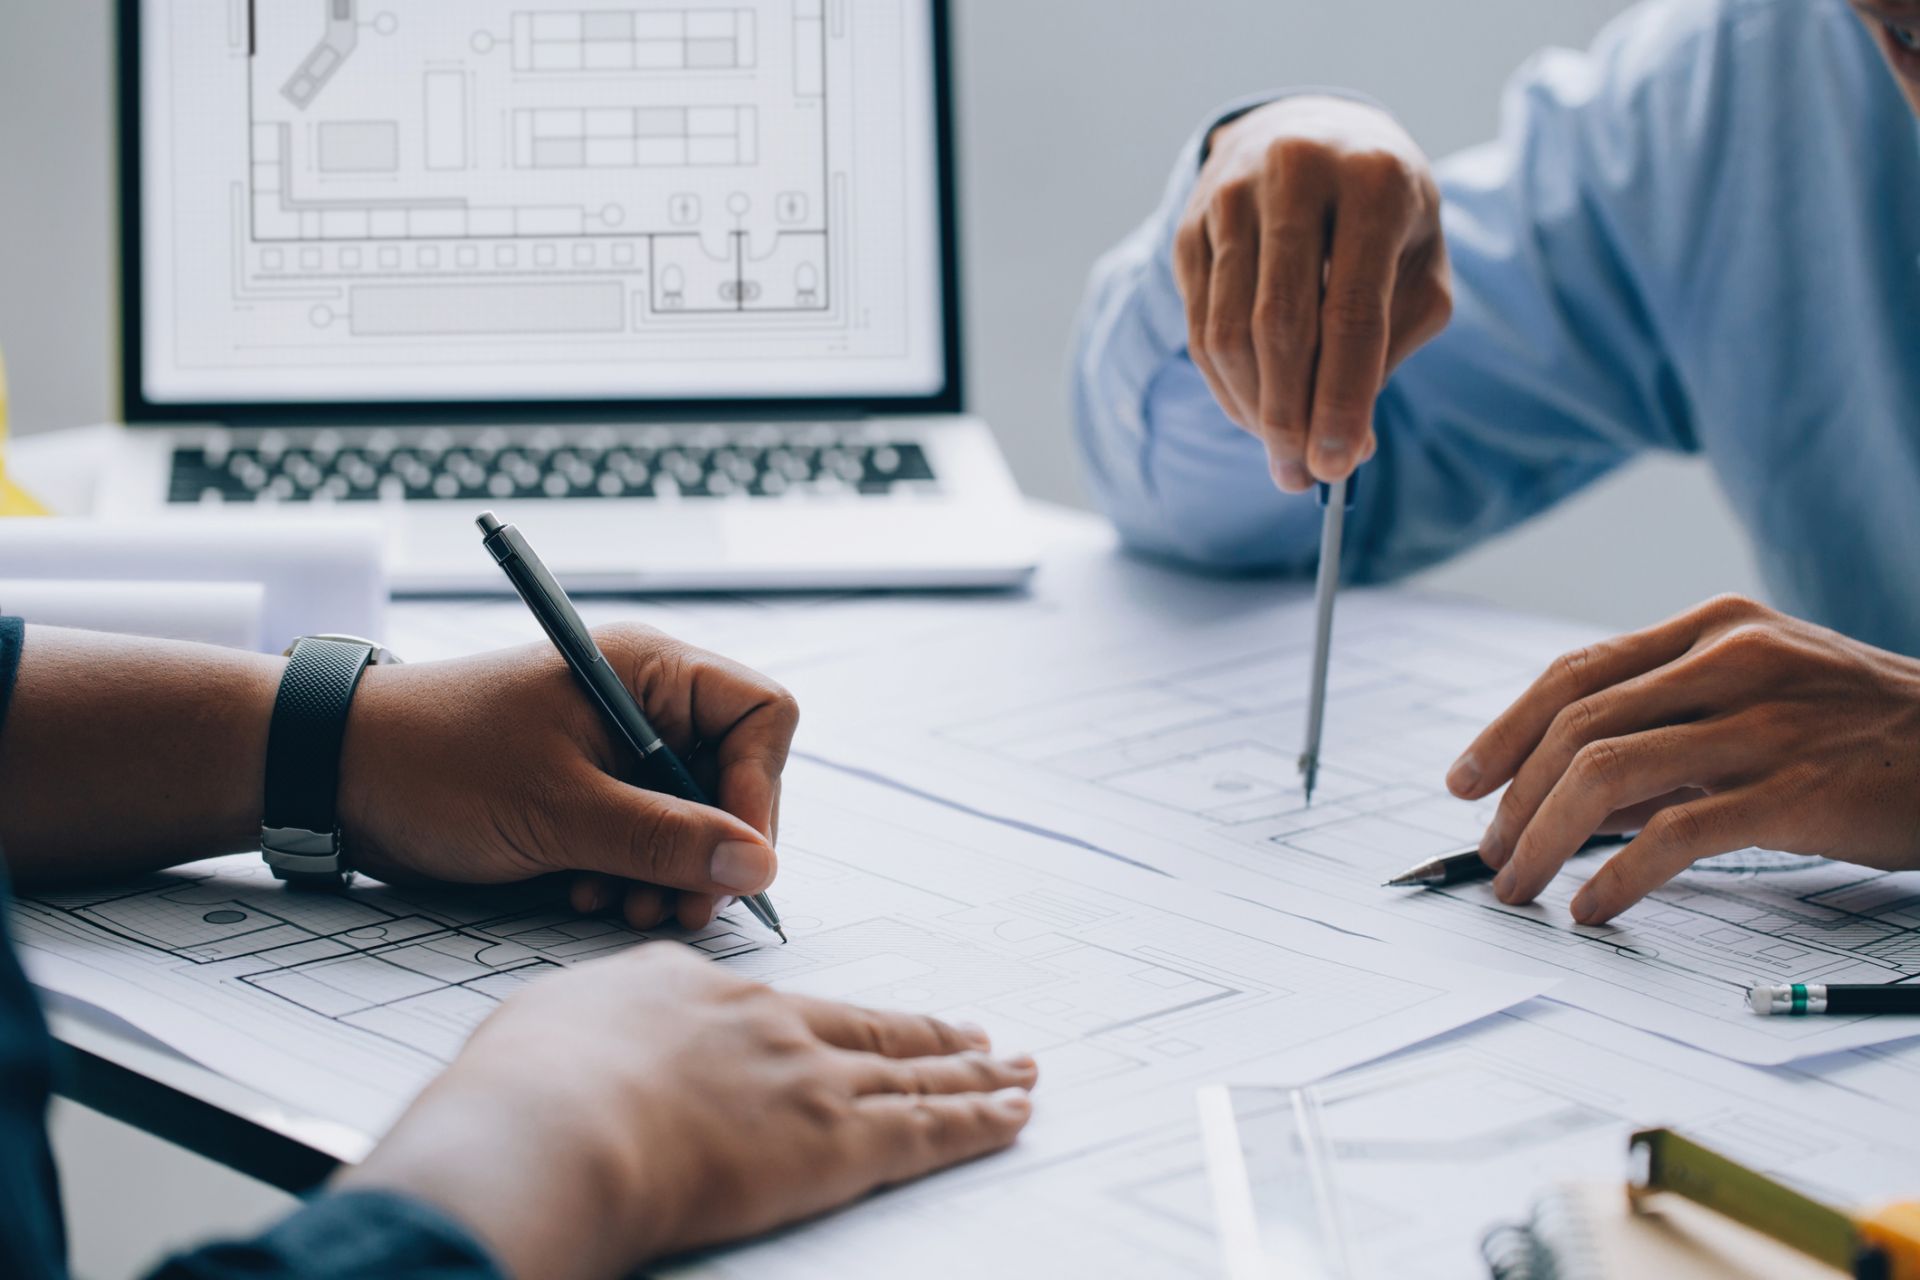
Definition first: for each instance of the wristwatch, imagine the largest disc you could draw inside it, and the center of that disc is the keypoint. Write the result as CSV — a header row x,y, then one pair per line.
x,y
299,830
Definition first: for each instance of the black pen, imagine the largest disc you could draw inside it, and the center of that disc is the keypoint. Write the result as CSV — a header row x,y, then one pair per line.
x,y
1799,999
662,769
1467,865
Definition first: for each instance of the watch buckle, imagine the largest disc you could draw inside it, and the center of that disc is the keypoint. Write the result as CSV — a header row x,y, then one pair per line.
x,y
296,853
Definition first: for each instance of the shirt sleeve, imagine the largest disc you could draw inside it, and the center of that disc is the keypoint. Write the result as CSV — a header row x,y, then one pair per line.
x,y
13,632
1174,474
1552,373
347,1236
32,1242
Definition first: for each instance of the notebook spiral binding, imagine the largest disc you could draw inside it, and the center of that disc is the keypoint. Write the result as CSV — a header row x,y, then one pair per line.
x,y
1557,1243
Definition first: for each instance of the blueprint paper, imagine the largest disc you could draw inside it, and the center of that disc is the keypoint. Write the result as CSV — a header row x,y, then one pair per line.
x,y
1890,1071
1430,1147
1158,717
1129,988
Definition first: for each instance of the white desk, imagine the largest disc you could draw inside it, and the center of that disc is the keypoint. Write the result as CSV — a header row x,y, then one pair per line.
x,y
807,643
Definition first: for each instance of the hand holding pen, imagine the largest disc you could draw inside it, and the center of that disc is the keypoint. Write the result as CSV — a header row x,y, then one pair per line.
x,y
742,864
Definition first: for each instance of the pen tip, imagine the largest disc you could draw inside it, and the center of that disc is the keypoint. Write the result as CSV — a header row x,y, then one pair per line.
x,y
783,934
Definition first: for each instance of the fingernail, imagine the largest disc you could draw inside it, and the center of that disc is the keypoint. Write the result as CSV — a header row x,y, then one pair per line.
x,y
724,904
1015,1102
1503,883
1334,456
1585,910
1024,1063
974,1033
1493,847
1293,477
1464,776
741,867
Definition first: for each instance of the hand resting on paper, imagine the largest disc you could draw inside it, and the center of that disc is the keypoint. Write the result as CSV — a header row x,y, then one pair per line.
x,y
651,1103
1730,725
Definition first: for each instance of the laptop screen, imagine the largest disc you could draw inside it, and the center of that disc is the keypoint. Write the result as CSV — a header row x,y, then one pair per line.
x,y
535,203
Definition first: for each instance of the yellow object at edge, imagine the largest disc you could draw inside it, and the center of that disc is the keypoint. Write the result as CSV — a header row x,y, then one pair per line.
x,y
1895,1231
14,501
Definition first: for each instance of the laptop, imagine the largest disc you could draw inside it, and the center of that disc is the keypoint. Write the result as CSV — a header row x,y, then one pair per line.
x,y
672,286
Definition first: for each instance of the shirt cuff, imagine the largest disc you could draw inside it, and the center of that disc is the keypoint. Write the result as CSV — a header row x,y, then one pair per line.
x,y
13,637
349,1234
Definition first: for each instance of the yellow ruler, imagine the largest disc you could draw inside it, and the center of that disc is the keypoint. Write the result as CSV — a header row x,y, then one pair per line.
x,y
14,501
1880,1244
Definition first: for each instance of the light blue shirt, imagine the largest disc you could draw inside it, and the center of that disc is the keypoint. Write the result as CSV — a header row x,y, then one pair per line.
x,y
1702,236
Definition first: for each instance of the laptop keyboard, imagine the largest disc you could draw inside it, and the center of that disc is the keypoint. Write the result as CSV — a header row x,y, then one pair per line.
x,y
646,462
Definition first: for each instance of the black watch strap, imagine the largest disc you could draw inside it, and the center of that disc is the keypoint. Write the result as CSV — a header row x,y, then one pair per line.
x,y
300,829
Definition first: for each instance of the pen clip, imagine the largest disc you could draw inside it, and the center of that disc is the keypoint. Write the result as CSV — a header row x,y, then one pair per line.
x,y
536,585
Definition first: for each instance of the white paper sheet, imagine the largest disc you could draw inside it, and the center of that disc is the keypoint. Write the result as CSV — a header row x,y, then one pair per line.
x,y
223,613
1159,716
1430,1147
786,636
1129,988
320,574
1888,1071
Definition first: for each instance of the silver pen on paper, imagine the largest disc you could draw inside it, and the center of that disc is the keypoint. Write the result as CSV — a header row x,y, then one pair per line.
x,y
1335,498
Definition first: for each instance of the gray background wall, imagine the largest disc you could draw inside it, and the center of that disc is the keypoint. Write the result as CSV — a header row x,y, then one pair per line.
x,y
1070,113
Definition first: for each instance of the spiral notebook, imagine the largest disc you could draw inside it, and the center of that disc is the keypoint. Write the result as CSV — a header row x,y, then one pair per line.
x,y
1588,1231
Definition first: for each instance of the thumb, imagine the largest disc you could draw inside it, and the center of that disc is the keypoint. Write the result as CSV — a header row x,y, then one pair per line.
x,y
647,836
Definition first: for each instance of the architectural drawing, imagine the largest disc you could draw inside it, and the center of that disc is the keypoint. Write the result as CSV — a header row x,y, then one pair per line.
x,y
1212,743
1178,753
1215,743
418,973
423,971
1129,989
545,184
1110,989
426,172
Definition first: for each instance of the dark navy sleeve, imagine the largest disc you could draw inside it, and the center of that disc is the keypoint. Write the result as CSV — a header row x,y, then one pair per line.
x,y
358,1234
31,1244
12,632
353,1234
